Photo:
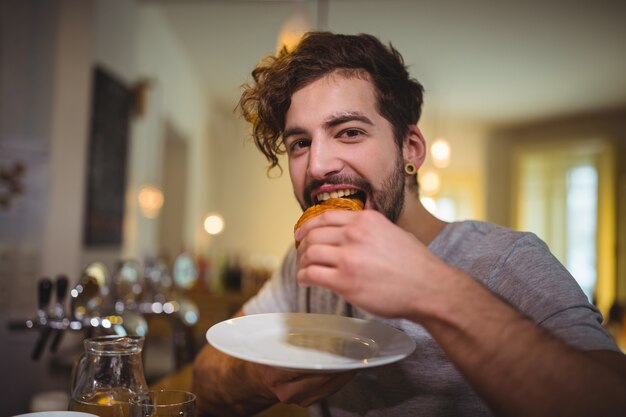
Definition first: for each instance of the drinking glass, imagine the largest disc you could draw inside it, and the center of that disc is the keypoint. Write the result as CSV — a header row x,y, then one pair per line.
x,y
163,403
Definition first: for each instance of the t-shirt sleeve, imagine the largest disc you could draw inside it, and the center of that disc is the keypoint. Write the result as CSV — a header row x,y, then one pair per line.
x,y
534,281
279,293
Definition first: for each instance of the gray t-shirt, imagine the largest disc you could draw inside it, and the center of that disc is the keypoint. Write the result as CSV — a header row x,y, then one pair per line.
x,y
515,265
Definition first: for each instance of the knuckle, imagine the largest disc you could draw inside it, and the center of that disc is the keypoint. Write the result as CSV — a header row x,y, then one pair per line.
x,y
356,232
350,263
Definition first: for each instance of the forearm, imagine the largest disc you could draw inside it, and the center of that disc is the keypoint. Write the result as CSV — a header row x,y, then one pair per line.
x,y
517,367
226,386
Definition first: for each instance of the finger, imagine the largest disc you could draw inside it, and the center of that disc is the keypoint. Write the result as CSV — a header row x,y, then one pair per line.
x,y
326,235
310,388
321,276
319,254
329,237
329,387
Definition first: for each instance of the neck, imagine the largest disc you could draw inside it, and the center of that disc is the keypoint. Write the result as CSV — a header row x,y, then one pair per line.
x,y
420,222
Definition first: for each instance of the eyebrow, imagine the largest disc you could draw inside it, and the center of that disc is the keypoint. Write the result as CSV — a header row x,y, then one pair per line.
x,y
336,120
332,121
292,132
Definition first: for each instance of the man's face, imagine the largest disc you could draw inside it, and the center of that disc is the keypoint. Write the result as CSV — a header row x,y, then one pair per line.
x,y
338,144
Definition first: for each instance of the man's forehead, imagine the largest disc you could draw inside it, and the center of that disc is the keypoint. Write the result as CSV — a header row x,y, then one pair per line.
x,y
338,94
337,77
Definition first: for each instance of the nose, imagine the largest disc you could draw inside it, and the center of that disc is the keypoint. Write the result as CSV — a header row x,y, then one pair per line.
x,y
324,160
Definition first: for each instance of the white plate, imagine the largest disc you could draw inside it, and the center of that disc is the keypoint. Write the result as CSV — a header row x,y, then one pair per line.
x,y
310,342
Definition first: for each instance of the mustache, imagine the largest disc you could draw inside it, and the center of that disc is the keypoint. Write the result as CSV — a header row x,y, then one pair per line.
x,y
355,182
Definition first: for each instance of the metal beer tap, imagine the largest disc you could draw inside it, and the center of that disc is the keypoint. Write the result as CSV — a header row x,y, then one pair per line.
x,y
59,310
102,306
44,293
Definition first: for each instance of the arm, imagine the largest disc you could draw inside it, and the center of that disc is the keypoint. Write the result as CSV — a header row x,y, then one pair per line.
x,y
226,386
517,367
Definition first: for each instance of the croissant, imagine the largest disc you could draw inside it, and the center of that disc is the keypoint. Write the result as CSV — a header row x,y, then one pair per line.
x,y
330,204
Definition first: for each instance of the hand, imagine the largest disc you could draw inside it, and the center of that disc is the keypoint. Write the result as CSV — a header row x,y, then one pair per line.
x,y
370,262
302,389
227,386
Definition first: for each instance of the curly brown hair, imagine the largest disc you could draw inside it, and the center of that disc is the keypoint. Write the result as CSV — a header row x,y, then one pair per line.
x,y
276,78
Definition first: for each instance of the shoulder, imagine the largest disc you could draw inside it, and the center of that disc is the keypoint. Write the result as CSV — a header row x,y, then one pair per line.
x,y
484,232
465,243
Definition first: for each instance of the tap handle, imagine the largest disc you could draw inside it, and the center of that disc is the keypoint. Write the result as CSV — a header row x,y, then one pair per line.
x,y
44,294
59,311
56,341
41,342
61,287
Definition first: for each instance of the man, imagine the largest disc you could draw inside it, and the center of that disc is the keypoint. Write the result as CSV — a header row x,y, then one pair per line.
x,y
501,327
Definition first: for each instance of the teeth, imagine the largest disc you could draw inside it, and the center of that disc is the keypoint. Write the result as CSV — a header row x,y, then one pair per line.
x,y
335,194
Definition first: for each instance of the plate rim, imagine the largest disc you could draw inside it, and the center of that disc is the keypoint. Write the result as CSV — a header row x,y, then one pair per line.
x,y
405,339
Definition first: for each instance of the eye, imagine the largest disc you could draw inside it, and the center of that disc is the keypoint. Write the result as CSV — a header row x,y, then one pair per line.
x,y
350,133
298,144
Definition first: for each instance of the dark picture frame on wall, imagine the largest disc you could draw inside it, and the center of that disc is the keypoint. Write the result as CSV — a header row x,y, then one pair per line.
x,y
111,107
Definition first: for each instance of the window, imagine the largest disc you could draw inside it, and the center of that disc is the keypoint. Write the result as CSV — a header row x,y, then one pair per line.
x,y
563,190
581,227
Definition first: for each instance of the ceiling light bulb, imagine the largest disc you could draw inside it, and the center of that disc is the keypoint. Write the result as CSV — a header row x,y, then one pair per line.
x,y
214,224
430,182
150,201
293,29
440,152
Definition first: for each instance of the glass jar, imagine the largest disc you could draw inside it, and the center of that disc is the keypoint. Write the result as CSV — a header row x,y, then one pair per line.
x,y
108,374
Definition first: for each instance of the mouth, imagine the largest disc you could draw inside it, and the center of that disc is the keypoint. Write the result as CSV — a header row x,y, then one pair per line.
x,y
350,193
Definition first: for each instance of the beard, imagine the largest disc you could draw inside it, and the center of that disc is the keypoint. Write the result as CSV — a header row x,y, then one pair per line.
x,y
388,200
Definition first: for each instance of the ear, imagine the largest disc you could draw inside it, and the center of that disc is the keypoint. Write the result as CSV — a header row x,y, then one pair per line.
x,y
414,146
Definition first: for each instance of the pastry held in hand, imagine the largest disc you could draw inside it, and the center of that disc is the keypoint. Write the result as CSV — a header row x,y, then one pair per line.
x,y
330,204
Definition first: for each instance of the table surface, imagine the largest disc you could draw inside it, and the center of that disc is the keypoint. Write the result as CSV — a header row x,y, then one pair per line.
x,y
182,380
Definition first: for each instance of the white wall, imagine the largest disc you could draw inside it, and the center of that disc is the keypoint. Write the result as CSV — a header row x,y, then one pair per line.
x,y
178,99
226,173
113,47
259,211
133,42
70,115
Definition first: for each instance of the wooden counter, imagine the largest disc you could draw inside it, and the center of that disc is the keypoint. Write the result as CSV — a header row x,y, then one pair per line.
x,y
182,380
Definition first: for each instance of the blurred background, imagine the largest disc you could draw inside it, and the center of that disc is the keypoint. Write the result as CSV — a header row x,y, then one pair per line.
x,y
119,142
